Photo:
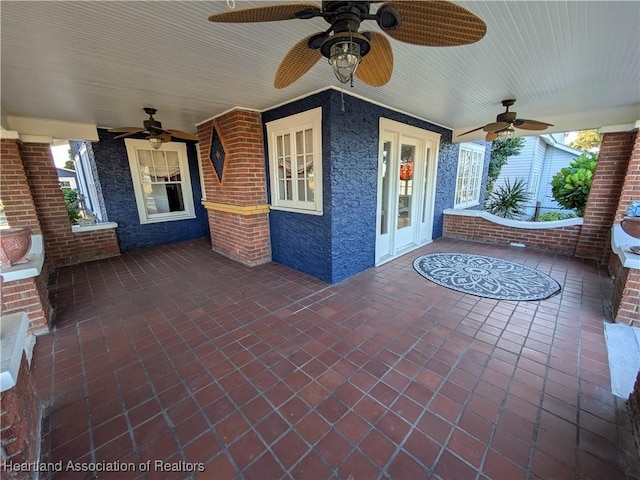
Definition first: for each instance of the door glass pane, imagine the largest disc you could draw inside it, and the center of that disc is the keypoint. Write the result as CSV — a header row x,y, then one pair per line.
x,y
424,199
386,158
405,185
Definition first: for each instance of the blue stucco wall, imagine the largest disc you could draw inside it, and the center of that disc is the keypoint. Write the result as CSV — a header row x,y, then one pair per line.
x,y
447,171
341,243
117,189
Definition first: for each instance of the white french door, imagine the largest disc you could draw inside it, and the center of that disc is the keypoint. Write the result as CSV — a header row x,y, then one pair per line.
x,y
407,166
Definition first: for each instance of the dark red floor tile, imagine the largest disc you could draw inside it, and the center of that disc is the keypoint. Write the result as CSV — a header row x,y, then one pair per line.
x,y
449,466
377,447
191,428
422,447
358,466
289,449
271,427
313,427
264,467
231,428
109,430
466,447
311,467
403,466
220,467
334,448
246,449
394,427
202,448
497,466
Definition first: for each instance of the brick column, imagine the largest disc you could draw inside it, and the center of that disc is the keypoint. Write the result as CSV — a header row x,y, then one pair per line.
x,y
604,198
19,419
49,201
236,203
30,294
631,186
15,193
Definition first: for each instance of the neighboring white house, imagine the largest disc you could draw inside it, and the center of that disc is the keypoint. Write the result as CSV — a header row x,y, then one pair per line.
x,y
67,178
541,158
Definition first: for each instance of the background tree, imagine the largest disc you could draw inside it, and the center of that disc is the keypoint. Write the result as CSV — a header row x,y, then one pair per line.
x,y
587,141
501,150
70,164
571,185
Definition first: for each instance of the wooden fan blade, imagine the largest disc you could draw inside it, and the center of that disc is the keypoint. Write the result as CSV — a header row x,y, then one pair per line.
x,y
182,135
531,124
125,129
270,13
495,127
436,24
491,136
128,134
376,66
474,130
296,63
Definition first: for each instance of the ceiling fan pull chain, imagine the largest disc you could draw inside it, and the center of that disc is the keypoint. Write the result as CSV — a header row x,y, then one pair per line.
x,y
231,4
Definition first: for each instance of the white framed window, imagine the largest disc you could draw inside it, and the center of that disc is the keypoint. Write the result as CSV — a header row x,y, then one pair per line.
x,y
295,162
161,181
469,176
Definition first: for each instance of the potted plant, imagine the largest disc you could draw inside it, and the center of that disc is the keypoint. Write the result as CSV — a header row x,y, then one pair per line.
x,y
631,223
15,244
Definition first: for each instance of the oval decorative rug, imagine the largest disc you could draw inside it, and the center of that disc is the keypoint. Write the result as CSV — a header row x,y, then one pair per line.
x,y
486,276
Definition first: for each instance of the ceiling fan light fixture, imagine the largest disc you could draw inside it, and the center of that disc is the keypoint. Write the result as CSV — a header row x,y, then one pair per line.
x,y
506,133
344,58
155,142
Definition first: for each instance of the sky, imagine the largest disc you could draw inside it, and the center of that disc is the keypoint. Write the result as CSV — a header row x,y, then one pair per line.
x,y
60,154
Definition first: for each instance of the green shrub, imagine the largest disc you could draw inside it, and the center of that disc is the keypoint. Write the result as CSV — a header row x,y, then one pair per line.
x,y
553,216
572,184
501,150
508,200
72,202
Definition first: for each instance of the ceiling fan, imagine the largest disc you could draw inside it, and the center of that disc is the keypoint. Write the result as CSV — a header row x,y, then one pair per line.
x,y
367,54
505,121
157,134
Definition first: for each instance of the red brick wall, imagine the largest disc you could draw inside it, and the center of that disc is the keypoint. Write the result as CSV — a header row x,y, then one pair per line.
x,y
29,295
631,185
14,189
478,229
19,420
626,292
62,246
604,198
49,201
239,234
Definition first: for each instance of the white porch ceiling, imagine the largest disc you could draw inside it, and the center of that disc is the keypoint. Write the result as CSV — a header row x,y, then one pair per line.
x,y
572,63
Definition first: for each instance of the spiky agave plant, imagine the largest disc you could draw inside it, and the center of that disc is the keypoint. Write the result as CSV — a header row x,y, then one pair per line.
x,y
509,200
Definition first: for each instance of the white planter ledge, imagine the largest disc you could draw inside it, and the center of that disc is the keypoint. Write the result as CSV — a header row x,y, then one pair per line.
x,y
621,241
515,223
92,228
13,335
30,269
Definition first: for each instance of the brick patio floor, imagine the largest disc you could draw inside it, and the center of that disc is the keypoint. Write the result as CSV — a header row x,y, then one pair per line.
x,y
177,354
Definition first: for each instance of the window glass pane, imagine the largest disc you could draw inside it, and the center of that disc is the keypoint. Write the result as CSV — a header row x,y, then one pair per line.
x,y
145,165
282,191
173,166
300,166
299,143
287,145
301,190
279,149
308,141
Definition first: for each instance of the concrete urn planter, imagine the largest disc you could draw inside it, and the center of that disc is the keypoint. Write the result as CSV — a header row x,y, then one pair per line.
x,y
631,226
15,244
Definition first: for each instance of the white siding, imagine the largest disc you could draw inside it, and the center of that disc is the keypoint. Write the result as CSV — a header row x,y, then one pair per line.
x,y
519,166
555,161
